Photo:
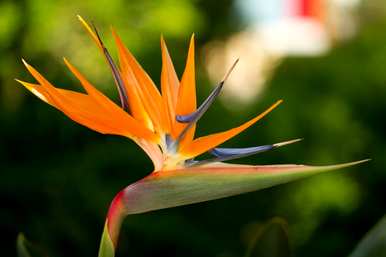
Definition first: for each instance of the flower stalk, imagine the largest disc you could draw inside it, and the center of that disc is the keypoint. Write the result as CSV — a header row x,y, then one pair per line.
x,y
112,227
115,217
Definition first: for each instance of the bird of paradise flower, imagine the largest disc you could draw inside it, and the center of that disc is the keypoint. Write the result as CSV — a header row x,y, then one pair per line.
x,y
163,124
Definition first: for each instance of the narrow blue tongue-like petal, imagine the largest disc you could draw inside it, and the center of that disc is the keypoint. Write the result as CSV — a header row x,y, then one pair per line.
x,y
226,154
193,117
117,77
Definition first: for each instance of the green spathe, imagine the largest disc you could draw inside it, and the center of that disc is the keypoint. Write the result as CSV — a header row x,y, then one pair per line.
x,y
173,188
106,247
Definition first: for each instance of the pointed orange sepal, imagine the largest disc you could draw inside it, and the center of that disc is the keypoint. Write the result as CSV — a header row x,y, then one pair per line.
x,y
137,107
203,144
91,90
169,87
186,103
85,110
147,90
52,96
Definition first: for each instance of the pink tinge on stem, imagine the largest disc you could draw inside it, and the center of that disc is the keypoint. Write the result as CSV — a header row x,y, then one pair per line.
x,y
115,216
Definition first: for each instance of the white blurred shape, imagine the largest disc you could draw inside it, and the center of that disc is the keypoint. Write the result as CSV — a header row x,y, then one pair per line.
x,y
255,66
277,28
294,36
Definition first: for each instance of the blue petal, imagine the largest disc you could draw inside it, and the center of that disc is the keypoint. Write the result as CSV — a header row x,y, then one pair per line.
x,y
192,118
195,116
226,154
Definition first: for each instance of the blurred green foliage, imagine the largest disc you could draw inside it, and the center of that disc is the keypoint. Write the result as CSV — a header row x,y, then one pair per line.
x,y
373,243
269,239
57,178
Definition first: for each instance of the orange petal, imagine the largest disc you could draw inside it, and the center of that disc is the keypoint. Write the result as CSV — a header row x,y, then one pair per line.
x,y
83,102
40,91
91,90
137,107
37,91
114,70
169,86
151,149
98,96
203,144
186,103
85,110
148,92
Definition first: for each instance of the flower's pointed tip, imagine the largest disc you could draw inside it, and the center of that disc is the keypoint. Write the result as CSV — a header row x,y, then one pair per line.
x,y
361,161
80,18
163,43
287,142
114,32
32,89
112,28
19,81
92,32
277,103
84,23
348,164
29,67
191,44
24,62
67,63
230,70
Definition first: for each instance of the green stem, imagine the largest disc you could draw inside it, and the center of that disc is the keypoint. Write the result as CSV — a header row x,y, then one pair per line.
x,y
113,223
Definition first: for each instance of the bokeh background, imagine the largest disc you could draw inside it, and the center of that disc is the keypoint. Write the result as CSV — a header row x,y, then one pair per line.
x,y
57,178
